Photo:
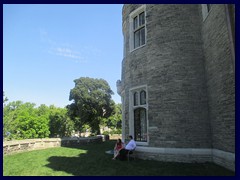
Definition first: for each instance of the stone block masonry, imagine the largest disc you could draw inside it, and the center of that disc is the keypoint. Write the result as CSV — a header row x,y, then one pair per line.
x,y
16,146
187,67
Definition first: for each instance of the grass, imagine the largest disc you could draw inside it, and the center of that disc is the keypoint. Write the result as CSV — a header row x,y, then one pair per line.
x,y
91,160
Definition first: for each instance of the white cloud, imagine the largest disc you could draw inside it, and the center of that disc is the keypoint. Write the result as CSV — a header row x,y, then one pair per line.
x,y
68,51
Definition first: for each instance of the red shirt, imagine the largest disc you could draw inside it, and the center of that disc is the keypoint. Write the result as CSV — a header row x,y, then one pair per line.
x,y
119,146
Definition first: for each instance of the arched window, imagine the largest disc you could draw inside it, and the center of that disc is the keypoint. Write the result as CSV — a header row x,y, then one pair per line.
x,y
142,97
135,97
138,121
140,125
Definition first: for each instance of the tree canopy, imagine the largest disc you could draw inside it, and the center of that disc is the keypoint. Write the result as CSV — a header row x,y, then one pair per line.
x,y
92,102
24,121
92,106
115,120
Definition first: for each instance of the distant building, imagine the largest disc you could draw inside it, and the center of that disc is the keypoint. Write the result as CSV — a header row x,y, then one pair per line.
x,y
178,82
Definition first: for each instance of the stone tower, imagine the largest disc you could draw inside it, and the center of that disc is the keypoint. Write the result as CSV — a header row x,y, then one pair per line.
x,y
177,85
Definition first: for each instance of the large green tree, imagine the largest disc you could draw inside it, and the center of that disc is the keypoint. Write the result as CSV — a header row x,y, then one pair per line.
x,y
59,122
25,121
92,102
9,117
114,122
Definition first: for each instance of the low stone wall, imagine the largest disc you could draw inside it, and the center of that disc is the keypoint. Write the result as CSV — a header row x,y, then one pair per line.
x,y
115,136
80,141
10,147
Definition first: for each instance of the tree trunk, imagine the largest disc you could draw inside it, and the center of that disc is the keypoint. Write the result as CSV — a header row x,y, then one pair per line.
x,y
95,129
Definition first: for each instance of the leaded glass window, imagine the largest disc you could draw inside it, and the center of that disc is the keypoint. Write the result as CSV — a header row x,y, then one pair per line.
x,y
143,97
139,114
135,98
140,125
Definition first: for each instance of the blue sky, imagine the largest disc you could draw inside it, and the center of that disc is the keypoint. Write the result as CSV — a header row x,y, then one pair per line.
x,y
46,47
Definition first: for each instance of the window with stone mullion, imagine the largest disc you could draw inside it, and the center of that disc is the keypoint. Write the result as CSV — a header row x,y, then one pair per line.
x,y
139,30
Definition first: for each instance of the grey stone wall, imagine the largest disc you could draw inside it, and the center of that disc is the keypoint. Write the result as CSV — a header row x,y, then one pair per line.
x,y
220,78
171,64
17,146
175,157
219,157
188,66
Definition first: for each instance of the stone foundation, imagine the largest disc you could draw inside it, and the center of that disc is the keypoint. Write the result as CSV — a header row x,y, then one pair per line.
x,y
188,155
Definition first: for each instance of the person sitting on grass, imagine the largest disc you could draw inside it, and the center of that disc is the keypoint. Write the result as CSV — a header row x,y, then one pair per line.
x,y
118,146
129,147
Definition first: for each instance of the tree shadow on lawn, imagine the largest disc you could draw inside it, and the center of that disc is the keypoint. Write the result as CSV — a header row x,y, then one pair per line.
x,y
95,162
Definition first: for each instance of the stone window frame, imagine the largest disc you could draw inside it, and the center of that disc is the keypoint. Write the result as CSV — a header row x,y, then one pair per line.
x,y
140,124
132,15
206,9
123,114
133,107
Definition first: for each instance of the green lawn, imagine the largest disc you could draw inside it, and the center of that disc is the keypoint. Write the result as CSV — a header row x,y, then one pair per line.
x,y
92,160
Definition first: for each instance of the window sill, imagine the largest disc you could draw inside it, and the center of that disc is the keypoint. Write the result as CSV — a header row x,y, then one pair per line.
x,y
141,143
137,48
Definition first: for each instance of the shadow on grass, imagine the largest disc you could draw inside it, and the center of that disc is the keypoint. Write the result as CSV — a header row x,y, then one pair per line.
x,y
95,162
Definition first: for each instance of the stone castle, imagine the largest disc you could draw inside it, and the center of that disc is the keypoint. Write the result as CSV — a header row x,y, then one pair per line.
x,y
178,81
